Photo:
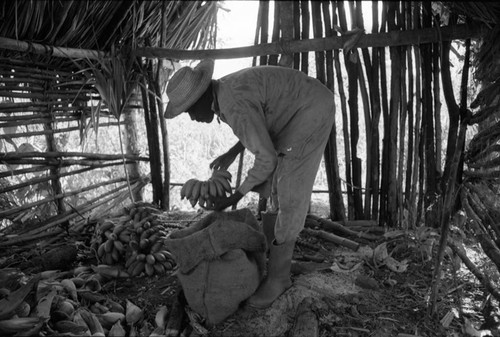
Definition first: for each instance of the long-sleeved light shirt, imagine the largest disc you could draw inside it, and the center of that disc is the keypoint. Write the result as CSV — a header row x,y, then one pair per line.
x,y
271,110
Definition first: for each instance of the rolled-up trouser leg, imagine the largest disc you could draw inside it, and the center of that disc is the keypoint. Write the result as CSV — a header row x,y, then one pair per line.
x,y
295,177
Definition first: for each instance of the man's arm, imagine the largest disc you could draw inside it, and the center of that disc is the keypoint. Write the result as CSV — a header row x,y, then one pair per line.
x,y
224,161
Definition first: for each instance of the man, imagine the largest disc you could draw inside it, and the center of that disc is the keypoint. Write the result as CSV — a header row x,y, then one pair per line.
x,y
284,118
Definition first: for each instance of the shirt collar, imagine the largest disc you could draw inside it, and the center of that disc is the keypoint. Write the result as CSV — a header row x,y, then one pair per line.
x,y
215,101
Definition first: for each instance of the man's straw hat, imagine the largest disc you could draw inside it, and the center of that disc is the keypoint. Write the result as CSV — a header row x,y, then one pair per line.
x,y
186,86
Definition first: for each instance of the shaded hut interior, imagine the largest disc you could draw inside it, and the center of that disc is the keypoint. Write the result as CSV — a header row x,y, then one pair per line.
x,y
420,146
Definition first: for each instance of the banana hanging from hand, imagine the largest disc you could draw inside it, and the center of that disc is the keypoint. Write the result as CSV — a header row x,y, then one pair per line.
x,y
187,188
197,191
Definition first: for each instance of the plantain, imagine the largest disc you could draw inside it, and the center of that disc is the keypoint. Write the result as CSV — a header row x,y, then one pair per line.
x,y
225,184
204,190
149,269
159,256
222,173
159,268
108,245
105,226
18,324
201,201
9,304
221,192
109,318
110,272
195,192
101,250
187,188
212,189
150,259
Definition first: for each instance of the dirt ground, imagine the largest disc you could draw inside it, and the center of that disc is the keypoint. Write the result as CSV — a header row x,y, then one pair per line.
x,y
381,289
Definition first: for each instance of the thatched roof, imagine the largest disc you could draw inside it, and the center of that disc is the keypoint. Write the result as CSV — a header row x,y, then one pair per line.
x,y
104,25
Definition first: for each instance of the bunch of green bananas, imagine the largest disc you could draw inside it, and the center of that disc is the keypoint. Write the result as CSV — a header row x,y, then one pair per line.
x,y
198,191
135,241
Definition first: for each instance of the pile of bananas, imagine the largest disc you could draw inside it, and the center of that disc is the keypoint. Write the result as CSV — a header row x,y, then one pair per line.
x,y
198,191
135,241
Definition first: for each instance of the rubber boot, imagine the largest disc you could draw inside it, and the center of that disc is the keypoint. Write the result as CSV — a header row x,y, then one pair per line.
x,y
278,276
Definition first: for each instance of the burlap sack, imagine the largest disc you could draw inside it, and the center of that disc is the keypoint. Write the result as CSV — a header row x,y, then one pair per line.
x,y
221,261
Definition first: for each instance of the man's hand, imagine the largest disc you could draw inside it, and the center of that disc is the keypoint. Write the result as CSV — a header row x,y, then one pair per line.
x,y
222,162
221,203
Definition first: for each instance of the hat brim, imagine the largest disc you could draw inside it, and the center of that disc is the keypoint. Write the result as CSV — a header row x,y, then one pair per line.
x,y
206,67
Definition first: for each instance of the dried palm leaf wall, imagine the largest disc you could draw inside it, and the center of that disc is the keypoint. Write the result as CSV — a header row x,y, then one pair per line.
x,y
92,89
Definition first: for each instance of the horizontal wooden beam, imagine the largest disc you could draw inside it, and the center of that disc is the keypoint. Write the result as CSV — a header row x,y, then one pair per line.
x,y
395,38
390,39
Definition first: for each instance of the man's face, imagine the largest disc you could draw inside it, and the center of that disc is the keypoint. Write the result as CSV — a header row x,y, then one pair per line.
x,y
205,116
201,111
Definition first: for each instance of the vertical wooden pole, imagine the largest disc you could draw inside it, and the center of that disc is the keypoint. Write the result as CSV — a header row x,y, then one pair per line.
x,y
296,32
337,209
411,133
130,122
384,184
52,147
304,6
428,124
401,170
345,116
394,103
374,80
273,59
264,26
363,86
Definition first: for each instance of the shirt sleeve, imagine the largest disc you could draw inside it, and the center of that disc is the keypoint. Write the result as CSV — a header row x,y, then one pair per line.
x,y
249,126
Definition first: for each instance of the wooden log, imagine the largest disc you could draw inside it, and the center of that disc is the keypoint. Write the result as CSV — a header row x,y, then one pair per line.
x,y
306,320
336,227
332,238
492,289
